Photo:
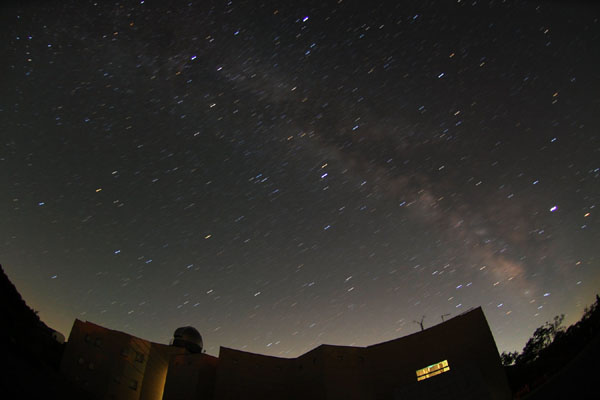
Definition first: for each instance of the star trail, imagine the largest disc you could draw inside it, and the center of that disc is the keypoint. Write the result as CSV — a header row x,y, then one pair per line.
x,y
285,174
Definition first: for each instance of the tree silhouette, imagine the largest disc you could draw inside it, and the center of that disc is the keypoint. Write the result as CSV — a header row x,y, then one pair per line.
x,y
554,353
509,358
541,339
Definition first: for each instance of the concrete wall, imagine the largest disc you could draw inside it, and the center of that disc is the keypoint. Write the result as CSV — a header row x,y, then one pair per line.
x,y
465,341
191,376
308,376
155,375
252,376
327,372
383,371
123,366
345,375
108,363
113,364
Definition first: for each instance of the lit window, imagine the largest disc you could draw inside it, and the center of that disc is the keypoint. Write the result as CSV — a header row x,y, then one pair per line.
x,y
433,370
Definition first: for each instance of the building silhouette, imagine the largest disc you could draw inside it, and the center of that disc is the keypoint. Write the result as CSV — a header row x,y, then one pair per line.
x,y
456,359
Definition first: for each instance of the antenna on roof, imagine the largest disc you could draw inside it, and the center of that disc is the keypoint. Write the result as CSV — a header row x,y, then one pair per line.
x,y
444,315
420,323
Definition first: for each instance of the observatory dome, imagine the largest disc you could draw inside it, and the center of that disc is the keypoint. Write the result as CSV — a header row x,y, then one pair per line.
x,y
188,337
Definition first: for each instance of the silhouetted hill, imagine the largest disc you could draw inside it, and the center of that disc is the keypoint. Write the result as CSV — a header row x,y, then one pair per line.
x,y
29,351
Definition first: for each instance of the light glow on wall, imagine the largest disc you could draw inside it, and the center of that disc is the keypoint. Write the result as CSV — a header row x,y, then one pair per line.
x,y
433,370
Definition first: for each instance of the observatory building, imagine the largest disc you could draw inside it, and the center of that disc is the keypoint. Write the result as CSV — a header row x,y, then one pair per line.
x,y
456,359
115,365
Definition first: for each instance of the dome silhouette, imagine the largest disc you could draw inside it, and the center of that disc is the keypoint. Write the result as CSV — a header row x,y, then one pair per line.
x,y
189,338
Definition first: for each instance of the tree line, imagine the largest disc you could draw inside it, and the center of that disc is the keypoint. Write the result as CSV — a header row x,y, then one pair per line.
x,y
552,350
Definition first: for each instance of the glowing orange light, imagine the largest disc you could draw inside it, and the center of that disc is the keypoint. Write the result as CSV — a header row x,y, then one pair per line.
x,y
433,370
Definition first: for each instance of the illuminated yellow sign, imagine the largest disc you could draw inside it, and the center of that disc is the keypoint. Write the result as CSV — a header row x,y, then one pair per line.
x,y
433,370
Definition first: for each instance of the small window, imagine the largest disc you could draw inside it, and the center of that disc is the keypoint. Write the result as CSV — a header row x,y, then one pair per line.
x,y
88,339
139,357
81,361
433,370
133,384
125,351
98,342
91,366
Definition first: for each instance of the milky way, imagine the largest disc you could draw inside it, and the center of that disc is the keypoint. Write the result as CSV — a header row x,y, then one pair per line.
x,y
282,175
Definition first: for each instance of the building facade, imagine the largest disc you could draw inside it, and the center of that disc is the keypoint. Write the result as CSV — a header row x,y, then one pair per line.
x,y
115,365
456,359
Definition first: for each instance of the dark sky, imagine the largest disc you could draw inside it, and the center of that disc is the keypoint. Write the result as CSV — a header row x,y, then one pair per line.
x,y
285,174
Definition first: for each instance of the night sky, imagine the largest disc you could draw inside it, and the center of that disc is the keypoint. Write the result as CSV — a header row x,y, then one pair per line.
x,y
286,174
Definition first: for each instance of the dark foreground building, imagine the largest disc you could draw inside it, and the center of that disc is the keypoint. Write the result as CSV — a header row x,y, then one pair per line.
x,y
456,359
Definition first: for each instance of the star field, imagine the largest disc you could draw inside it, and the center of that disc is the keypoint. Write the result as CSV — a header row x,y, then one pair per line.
x,y
286,174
